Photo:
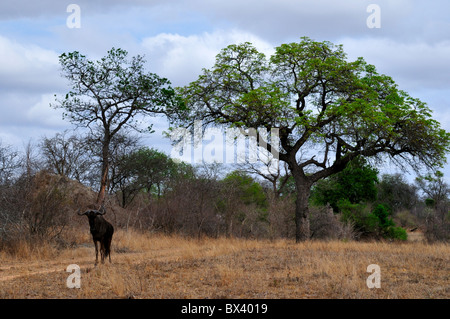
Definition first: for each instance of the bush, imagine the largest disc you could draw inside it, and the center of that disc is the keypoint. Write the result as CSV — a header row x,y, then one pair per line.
x,y
355,184
406,219
382,217
396,193
327,225
398,233
376,223
359,216
37,210
437,226
281,212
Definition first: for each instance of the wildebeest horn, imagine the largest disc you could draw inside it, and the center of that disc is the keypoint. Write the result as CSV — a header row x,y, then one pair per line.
x,y
102,210
79,212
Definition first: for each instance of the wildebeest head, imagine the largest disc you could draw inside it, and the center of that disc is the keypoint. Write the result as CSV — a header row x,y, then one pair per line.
x,y
92,216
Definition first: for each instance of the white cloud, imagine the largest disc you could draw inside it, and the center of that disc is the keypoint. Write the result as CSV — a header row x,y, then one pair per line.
x,y
42,114
21,57
28,79
288,20
181,58
27,67
413,65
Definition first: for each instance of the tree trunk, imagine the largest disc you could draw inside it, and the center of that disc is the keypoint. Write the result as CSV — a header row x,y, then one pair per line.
x,y
103,185
303,188
302,230
105,175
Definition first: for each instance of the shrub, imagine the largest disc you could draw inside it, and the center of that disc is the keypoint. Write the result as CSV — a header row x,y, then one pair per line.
x,y
327,225
406,219
359,216
376,223
395,232
437,226
383,217
355,184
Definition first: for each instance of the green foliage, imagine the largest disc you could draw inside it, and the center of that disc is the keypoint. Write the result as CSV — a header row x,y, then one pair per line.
x,y
148,170
322,103
395,193
248,190
434,188
397,233
108,96
358,215
383,217
429,202
356,183
375,223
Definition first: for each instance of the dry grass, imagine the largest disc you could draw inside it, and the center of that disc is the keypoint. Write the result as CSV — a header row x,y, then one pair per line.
x,y
157,266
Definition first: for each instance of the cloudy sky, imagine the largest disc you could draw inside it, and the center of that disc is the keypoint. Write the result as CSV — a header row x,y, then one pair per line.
x,y
179,38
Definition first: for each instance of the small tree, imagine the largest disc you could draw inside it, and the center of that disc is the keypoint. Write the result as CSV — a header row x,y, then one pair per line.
x,y
434,187
9,163
109,95
146,170
274,177
67,156
436,196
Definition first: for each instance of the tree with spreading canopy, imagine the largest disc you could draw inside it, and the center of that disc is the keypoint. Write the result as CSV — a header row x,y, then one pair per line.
x,y
109,96
328,111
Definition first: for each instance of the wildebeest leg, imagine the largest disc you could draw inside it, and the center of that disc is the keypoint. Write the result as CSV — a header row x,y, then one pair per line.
x,y
108,249
96,252
102,251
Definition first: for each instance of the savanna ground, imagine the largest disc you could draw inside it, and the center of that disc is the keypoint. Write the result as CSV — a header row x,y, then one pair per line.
x,y
162,266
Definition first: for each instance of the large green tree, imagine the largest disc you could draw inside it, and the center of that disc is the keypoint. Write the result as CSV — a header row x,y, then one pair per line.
x,y
328,111
109,96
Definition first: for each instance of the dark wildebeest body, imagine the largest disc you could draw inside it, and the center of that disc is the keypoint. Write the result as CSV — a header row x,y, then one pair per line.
x,y
101,231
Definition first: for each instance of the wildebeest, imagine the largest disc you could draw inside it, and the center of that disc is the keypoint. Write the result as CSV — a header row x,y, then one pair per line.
x,y
102,232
